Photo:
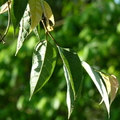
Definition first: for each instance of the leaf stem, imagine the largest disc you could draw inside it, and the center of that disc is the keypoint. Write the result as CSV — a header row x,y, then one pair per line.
x,y
49,34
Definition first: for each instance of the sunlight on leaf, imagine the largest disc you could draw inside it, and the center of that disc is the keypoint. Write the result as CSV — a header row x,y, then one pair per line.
x,y
4,8
96,78
43,63
48,15
73,74
112,85
39,9
24,30
70,94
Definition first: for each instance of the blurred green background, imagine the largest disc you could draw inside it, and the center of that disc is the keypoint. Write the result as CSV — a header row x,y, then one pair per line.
x,y
89,27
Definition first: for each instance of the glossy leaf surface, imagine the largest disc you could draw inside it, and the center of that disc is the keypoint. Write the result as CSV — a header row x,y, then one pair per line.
x,y
96,78
24,29
43,63
73,74
17,10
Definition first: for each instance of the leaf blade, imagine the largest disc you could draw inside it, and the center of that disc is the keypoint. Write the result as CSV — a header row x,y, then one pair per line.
x,y
99,84
49,17
17,10
73,74
112,85
44,60
36,12
24,30
70,94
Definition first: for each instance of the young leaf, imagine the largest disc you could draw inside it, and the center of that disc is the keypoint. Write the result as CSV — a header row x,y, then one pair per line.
x,y
17,10
111,84
43,63
24,30
73,75
36,12
96,78
114,87
48,15
39,8
5,7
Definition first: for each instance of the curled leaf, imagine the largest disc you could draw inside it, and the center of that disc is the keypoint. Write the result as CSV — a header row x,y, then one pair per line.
x,y
112,85
49,18
38,10
5,7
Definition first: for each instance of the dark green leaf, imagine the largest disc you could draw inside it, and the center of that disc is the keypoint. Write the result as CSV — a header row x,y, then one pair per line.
x,y
73,75
44,60
17,11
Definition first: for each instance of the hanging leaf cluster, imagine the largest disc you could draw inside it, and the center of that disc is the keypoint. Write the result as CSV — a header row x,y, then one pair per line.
x,y
31,13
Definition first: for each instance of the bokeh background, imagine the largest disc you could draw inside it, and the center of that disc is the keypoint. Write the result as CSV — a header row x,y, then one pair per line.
x,y
89,27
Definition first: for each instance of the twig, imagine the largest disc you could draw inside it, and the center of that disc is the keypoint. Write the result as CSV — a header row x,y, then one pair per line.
x,y
47,32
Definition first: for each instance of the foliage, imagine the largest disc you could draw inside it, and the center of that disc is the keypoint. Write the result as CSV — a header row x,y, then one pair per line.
x,y
45,52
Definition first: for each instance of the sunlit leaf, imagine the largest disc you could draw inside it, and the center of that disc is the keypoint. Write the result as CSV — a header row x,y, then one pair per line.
x,y
43,63
38,9
24,29
5,7
112,85
73,75
17,10
36,31
70,95
48,15
96,78
36,12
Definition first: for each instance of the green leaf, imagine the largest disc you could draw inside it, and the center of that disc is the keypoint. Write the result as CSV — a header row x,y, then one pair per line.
x,y
36,12
43,63
2,2
70,95
97,79
39,8
36,31
24,29
73,75
17,10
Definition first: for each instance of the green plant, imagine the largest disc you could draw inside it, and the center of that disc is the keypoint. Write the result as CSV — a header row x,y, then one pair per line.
x,y
31,13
